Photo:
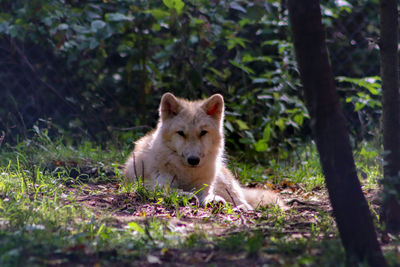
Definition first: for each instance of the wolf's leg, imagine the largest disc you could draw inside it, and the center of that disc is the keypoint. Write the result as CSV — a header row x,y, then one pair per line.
x,y
212,199
129,170
228,188
160,180
135,167
206,196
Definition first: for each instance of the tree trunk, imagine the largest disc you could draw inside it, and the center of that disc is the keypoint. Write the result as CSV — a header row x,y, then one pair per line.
x,y
350,208
391,114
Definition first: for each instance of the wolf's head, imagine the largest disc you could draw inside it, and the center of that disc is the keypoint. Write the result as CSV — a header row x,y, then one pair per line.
x,y
192,130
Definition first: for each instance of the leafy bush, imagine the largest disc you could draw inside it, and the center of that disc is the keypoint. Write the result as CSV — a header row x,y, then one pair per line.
x,y
97,67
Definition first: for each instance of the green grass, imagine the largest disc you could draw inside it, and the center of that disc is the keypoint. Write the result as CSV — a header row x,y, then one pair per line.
x,y
43,220
303,167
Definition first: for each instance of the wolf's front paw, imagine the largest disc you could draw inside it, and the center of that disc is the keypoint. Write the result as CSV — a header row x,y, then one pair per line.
x,y
212,199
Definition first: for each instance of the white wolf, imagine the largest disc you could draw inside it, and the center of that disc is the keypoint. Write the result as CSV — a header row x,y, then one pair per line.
x,y
186,151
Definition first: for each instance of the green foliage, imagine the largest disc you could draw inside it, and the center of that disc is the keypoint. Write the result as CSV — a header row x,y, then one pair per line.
x,y
363,98
130,51
368,95
300,166
176,5
96,67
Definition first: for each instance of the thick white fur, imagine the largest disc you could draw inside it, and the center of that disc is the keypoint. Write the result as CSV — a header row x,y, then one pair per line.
x,y
161,157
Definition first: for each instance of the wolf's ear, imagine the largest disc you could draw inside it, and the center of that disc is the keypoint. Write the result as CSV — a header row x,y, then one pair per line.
x,y
169,106
214,106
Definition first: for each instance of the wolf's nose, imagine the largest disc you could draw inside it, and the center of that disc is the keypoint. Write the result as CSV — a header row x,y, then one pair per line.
x,y
193,160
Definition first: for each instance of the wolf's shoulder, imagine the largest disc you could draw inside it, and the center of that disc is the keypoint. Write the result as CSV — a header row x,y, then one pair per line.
x,y
145,142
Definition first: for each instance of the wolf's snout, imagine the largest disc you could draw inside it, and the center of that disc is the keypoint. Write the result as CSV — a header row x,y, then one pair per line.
x,y
193,160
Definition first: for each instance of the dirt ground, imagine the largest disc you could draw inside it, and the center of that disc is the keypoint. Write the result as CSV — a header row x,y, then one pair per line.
x,y
128,207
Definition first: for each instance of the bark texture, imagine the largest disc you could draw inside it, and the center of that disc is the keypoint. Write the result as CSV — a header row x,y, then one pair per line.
x,y
349,205
391,114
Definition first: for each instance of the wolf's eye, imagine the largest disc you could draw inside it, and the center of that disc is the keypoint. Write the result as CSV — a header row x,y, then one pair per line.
x,y
181,133
203,133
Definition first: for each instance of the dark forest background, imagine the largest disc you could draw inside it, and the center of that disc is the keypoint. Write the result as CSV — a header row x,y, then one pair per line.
x,y
97,69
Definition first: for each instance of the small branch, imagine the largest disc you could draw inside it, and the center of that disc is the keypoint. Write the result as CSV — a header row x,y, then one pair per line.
x,y
142,173
290,202
172,180
134,165
233,201
145,127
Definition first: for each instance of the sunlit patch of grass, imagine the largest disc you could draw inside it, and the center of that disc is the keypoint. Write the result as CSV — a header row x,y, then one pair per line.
x,y
84,161
369,162
304,168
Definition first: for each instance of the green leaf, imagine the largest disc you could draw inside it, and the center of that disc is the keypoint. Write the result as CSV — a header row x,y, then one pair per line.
x,y
249,139
235,41
117,17
248,58
36,129
242,67
267,133
4,27
158,14
198,21
260,80
216,72
242,125
372,84
359,106
281,124
237,6
135,227
261,146
62,27
272,42
97,25
372,89
93,43
229,126
299,119
174,4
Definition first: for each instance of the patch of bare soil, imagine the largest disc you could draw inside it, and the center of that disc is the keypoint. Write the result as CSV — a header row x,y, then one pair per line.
x,y
306,209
